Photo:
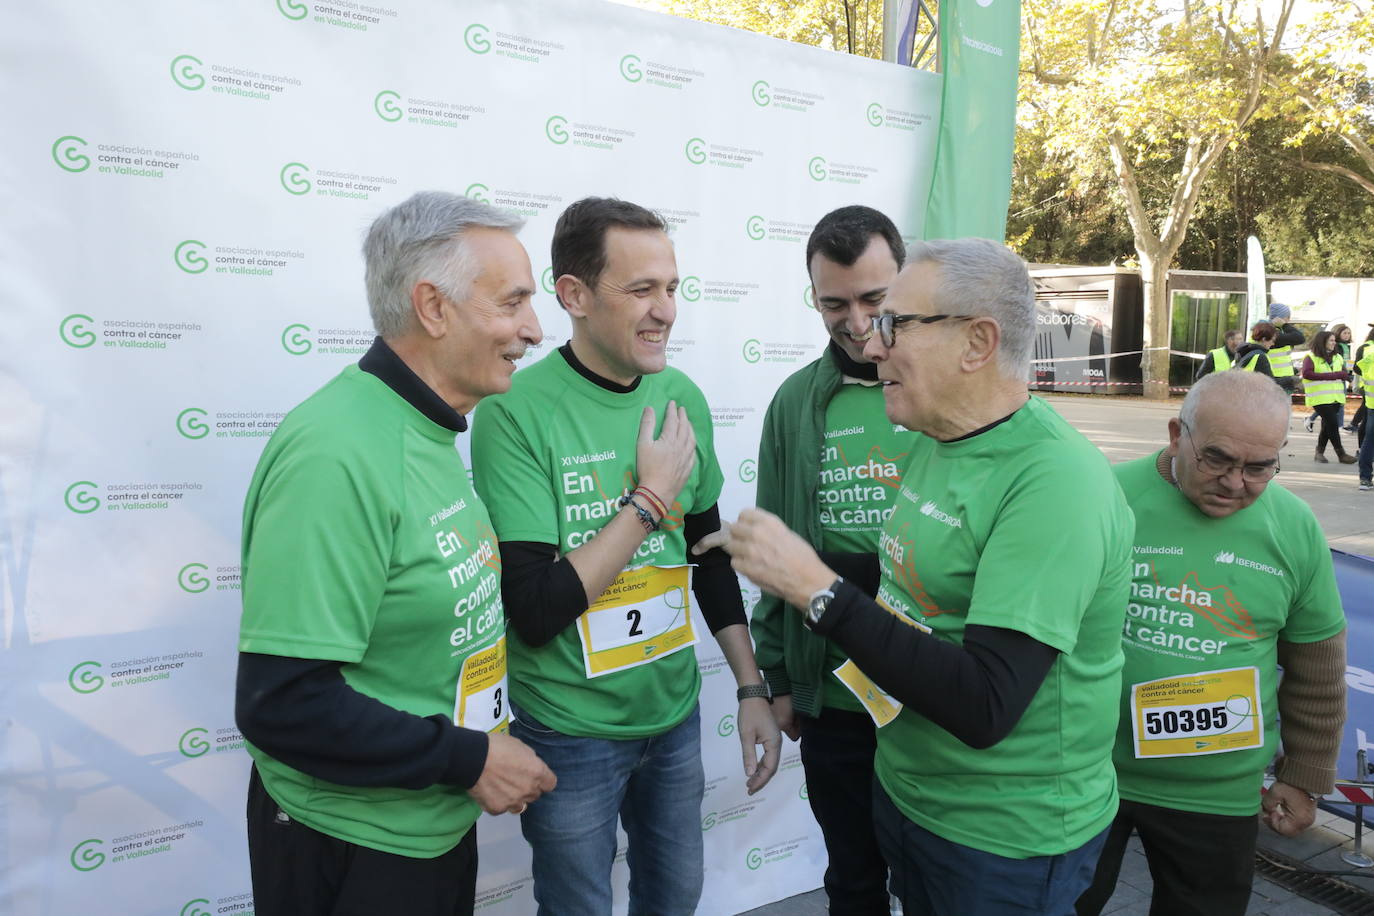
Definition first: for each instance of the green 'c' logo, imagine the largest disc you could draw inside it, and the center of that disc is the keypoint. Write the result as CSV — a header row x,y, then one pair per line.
x,y
690,288
87,681
293,179
726,726
802,793
192,908
184,72
809,297
80,500
291,9
90,855
477,191
708,821
193,745
754,227
191,580
762,97
752,350
816,168
629,68
748,470
695,150
475,37
74,333
546,281
66,152
875,114
297,344
188,256
556,129
191,423
385,105
754,858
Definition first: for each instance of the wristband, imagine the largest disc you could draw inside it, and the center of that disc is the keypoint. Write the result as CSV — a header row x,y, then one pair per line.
x,y
753,690
654,500
645,518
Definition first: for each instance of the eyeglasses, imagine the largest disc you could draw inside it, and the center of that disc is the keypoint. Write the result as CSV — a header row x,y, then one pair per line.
x,y
886,324
1217,466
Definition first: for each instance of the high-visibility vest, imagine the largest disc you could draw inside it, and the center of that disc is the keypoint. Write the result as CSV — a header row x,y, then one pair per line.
x,y
1250,360
1366,367
1324,391
1221,359
1281,361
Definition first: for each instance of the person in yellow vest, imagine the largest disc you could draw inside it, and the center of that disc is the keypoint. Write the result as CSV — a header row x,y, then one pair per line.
x,y
1365,367
1253,356
1281,353
1221,358
1324,376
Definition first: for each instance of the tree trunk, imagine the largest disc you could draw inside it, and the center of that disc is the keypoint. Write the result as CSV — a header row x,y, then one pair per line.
x,y
1154,276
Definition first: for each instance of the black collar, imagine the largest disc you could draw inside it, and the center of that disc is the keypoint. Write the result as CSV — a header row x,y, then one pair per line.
x,y
383,362
567,351
866,371
982,429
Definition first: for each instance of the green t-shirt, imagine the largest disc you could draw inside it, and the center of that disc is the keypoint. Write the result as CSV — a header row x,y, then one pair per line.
x,y
1214,594
364,543
1022,527
862,458
550,457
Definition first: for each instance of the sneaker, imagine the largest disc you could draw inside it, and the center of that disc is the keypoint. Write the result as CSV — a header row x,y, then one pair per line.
x,y
1366,483
1310,422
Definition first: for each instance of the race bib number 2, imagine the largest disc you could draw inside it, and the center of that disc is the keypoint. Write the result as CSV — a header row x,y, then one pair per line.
x,y
483,702
1212,712
645,615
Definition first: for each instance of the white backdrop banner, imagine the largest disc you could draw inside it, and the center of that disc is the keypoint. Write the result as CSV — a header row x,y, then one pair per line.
x,y
186,186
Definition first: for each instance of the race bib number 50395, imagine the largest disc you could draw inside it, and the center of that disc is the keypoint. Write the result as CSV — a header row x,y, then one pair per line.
x,y
1211,712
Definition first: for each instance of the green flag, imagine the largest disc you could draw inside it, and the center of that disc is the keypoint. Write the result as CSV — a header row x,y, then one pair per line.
x,y
980,44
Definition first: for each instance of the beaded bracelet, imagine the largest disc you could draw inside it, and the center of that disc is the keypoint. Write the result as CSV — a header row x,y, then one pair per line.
x,y
645,517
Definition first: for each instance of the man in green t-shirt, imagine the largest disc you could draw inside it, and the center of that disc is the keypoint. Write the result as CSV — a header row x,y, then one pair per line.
x,y
830,463
599,470
372,653
991,658
1231,577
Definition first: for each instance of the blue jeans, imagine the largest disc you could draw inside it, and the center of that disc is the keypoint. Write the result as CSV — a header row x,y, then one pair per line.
x,y
933,876
654,785
1366,458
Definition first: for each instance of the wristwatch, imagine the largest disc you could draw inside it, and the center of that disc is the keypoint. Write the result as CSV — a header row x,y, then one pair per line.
x,y
820,603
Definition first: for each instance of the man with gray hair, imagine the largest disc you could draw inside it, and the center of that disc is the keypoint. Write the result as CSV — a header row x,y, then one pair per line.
x,y
372,653
1231,578
991,658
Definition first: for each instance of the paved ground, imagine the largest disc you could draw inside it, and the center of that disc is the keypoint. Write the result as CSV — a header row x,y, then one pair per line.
x,y
1126,428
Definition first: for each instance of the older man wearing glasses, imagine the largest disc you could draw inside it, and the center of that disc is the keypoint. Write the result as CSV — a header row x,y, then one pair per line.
x,y
991,658
1231,578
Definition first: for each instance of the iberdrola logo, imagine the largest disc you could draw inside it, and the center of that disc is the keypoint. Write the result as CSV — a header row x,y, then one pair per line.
x,y
1225,556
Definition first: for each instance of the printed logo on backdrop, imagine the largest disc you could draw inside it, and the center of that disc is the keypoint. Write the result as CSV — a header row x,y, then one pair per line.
x,y
761,856
750,595
188,72
198,742
76,331
748,470
802,793
730,417
501,894
809,297
522,202
675,217
776,230
90,676
73,154
699,152
300,339
191,578
338,14
758,351
240,260
390,106
689,290
712,667
821,169
234,904
331,182
198,423
894,118
777,98
88,855
735,813
559,130
524,48
726,726
477,191
654,73
546,281
81,497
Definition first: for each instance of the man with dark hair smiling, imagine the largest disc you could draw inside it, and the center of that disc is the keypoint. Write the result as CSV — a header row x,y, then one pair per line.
x,y
830,463
596,502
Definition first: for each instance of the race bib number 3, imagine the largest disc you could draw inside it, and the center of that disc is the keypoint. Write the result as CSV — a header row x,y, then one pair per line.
x,y
1212,712
645,615
482,703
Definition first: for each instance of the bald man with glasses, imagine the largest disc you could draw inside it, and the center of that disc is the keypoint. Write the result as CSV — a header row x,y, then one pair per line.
x,y
1231,578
